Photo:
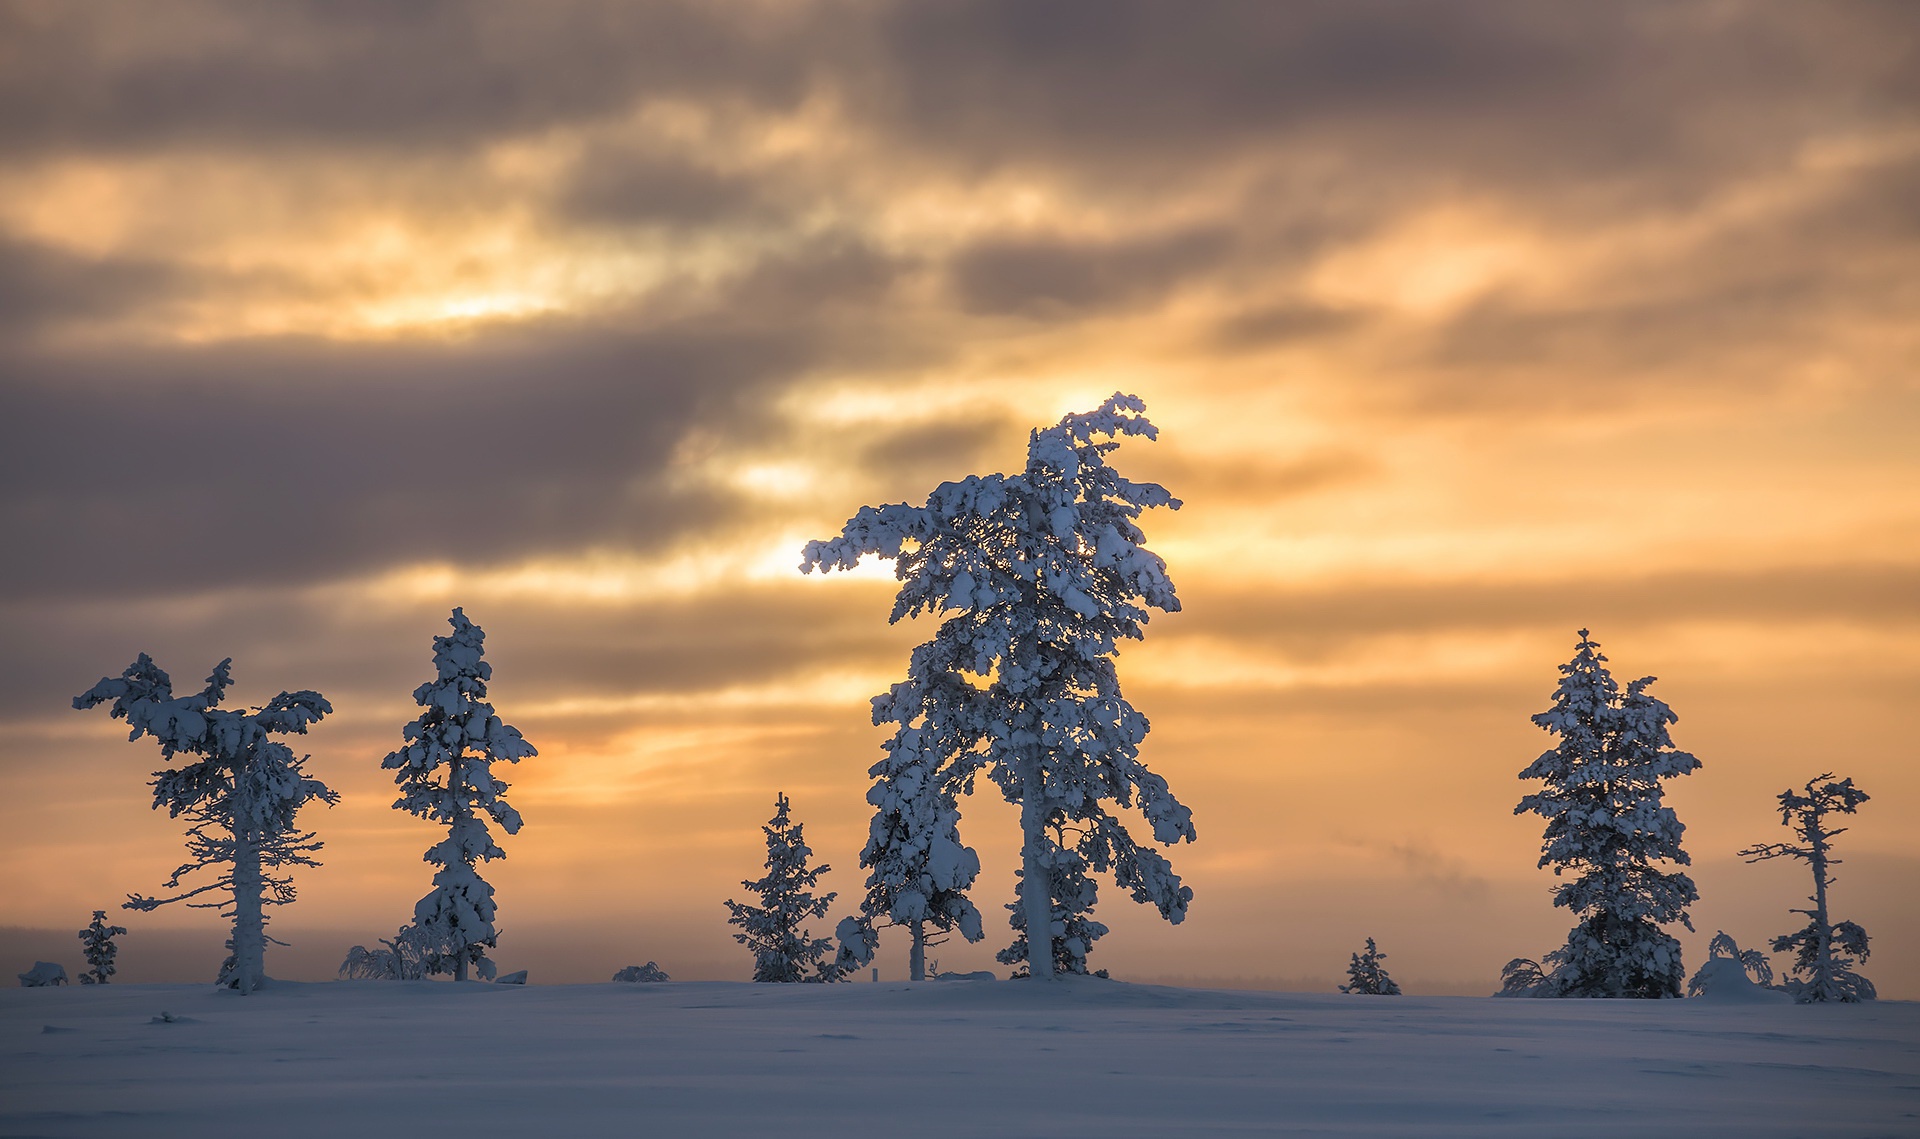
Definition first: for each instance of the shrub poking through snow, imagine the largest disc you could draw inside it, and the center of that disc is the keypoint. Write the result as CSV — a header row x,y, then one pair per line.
x,y
403,957
96,943
1521,977
241,792
445,773
1367,977
1824,952
43,975
775,931
1037,578
1608,830
1727,963
642,974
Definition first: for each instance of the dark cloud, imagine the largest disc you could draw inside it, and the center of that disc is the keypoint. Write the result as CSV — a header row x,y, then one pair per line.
x,y
132,76
627,187
177,468
42,286
1314,621
1510,91
1283,324
1051,277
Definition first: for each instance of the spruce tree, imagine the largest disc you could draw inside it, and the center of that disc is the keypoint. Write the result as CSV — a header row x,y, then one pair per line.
x,y
445,775
1824,952
1038,577
1608,830
1367,977
96,944
241,792
919,871
774,931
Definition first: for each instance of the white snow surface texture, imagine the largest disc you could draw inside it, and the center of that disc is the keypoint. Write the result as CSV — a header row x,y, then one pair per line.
x,y
1083,1057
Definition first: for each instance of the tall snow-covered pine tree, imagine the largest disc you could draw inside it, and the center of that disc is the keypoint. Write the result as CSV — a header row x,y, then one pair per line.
x,y
1038,577
241,792
1824,951
1608,829
445,775
775,932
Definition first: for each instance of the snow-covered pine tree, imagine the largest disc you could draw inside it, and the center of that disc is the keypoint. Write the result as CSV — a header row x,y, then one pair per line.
x,y
458,731
241,793
919,871
96,943
775,930
1607,827
1825,952
1039,577
1366,976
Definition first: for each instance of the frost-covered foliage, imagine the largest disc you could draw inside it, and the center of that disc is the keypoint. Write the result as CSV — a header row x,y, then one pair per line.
x,y
403,957
241,792
1367,977
1038,577
642,974
96,943
1824,952
1608,829
775,930
1072,895
1521,977
445,775
43,975
919,870
1724,957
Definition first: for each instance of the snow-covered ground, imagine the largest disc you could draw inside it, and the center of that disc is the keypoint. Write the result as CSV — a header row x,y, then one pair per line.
x,y
947,1058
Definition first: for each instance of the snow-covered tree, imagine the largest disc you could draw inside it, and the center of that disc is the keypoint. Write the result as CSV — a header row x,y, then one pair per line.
x,y
775,930
1037,577
919,871
1608,829
1824,952
1726,959
1367,977
445,775
96,943
1521,977
241,792
642,974
403,957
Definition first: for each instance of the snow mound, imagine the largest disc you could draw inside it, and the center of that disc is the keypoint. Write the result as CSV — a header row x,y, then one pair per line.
x,y
1724,980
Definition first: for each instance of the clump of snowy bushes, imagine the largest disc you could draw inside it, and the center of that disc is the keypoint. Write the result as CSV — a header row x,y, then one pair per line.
x,y
642,974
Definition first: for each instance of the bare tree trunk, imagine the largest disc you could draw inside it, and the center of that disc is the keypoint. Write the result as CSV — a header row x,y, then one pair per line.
x,y
1823,932
1036,878
249,924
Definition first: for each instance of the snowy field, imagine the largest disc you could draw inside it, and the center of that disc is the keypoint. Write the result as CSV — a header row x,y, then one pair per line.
x,y
946,1058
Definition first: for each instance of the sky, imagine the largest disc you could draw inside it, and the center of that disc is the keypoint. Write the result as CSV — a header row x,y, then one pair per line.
x,y
1465,327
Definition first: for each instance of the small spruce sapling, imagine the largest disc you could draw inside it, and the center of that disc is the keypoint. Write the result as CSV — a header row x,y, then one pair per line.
x,y
1824,952
96,943
1367,977
1609,831
1521,977
774,931
445,775
241,793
